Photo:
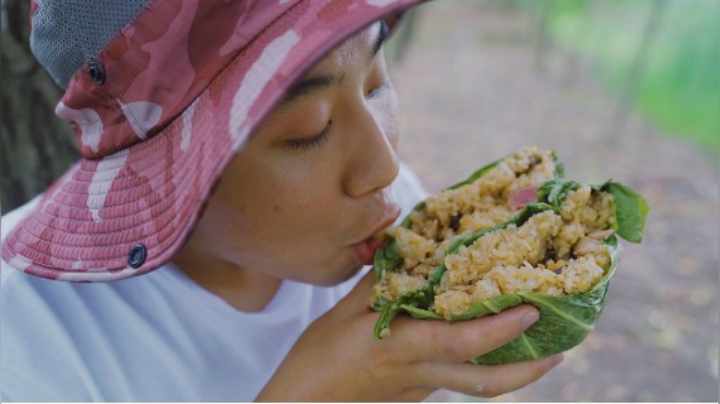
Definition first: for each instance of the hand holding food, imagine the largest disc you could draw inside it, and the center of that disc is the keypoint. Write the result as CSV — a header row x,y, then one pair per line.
x,y
515,232
337,359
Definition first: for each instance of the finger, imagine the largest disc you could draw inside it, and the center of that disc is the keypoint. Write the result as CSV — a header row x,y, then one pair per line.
x,y
460,341
484,381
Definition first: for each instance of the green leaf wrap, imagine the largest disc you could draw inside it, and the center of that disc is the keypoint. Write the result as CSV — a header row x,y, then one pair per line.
x,y
564,321
630,211
424,296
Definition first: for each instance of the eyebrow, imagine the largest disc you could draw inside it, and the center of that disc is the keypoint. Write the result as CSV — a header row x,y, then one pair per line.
x,y
311,84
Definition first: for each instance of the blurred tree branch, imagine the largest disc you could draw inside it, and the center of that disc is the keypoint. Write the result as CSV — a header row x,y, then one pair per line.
x,y
629,94
35,146
543,42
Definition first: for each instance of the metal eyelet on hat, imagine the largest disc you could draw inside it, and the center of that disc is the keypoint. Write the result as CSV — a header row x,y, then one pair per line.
x,y
137,256
97,72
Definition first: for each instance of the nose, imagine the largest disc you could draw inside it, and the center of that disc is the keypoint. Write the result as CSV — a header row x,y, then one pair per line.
x,y
373,162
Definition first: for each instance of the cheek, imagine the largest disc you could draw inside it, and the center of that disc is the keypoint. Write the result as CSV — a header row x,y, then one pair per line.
x,y
279,240
264,235
279,214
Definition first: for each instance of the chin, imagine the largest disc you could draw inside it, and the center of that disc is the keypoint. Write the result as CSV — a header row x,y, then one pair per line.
x,y
338,277
356,267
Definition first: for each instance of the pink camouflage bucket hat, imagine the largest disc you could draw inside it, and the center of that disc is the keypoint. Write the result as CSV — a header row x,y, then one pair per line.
x,y
162,94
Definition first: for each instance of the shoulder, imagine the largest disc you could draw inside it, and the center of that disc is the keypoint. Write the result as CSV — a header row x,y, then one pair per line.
x,y
64,341
407,190
408,180
52,331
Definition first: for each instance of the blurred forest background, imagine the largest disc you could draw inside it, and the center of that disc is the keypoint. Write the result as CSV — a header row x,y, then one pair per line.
x,y
623,89
661,57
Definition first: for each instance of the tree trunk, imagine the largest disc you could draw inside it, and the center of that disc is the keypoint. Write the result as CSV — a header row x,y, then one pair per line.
x,y
543,41
629,93
35,145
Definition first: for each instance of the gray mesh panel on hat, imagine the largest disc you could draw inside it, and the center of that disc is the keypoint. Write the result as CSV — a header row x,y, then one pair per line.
x,y
68,33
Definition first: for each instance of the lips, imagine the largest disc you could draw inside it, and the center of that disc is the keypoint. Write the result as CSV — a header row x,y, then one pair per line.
x,y
365,250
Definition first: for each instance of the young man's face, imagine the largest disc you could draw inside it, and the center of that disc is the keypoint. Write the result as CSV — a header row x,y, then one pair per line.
x,y
311,185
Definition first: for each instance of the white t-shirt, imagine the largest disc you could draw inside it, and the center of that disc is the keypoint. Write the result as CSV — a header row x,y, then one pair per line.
x,y
156,337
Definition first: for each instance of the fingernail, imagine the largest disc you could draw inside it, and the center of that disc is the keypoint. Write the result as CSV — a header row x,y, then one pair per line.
x,y
529,318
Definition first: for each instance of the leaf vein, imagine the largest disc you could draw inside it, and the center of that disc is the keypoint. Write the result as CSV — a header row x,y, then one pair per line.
x,y
528,346
557,311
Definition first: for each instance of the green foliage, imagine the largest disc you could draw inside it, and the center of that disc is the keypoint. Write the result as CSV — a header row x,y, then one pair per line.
x,y
630,210
680,87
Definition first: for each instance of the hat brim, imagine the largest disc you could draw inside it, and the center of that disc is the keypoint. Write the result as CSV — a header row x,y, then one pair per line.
x,y
152,194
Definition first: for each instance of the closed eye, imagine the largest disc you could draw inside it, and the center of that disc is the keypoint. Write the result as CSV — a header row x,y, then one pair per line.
x,y
310,142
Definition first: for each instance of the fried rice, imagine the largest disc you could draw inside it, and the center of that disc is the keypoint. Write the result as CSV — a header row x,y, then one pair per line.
x,y
551,253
